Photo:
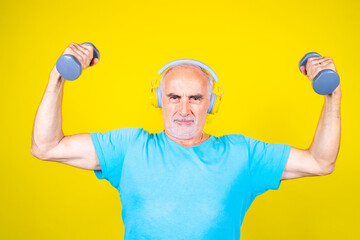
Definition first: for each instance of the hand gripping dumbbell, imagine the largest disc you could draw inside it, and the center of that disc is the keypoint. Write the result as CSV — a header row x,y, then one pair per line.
x,y
326,81
69,67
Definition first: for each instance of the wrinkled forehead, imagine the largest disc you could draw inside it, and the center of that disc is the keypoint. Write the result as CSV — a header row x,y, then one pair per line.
x,y
185,78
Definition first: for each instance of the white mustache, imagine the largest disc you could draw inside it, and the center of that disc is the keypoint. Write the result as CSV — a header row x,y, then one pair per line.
x,y
183,118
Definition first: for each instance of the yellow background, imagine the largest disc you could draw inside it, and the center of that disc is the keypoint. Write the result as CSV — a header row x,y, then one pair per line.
x,y
253,46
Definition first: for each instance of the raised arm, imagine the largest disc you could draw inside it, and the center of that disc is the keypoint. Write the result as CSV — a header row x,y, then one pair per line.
x,y
319,159
48,139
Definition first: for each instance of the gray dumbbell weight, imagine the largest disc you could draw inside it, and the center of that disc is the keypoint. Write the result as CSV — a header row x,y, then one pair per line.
x,y
69,67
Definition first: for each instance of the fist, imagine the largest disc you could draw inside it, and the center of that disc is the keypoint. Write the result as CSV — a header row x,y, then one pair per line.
x,y
316,64
83,53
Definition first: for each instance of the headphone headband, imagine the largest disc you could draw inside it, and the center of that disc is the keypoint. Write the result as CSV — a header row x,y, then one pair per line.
x,y
190,61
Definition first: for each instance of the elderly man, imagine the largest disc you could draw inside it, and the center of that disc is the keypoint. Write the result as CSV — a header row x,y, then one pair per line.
x,y
183,183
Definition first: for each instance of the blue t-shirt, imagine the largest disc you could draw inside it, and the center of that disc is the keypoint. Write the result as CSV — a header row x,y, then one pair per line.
x,y
168,191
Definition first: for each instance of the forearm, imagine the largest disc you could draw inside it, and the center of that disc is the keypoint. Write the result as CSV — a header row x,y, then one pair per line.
x,y
47,130
325,145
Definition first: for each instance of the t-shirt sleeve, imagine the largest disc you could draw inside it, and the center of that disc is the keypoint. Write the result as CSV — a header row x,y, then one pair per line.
x,y
266,164
111,148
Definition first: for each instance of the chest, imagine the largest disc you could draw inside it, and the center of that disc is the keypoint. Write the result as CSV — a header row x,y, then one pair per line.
x,y
169,180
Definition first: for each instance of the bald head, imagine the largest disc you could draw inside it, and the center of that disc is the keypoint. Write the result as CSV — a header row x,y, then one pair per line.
x,y
187,70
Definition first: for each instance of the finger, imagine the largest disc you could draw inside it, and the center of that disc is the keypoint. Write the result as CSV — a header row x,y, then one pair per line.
x,y
86,55
309,64
329,64
315,65
94,61
76,52
315,60
88,48
81,51
303,70
326,61
81,48
312,70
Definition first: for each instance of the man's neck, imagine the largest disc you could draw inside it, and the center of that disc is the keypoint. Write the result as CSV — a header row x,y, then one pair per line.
x,y
197,140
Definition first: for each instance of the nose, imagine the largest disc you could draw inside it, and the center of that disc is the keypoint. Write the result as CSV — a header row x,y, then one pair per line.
x,y
184,107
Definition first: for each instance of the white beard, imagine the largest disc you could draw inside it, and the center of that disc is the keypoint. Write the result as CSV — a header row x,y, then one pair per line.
x,y
183,131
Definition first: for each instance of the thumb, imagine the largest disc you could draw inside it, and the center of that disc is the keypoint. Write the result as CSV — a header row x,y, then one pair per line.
x,y
303,70
94,61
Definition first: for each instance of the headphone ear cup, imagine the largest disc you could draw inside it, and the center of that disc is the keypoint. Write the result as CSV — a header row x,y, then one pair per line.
x,y
217,105
158,97
212,102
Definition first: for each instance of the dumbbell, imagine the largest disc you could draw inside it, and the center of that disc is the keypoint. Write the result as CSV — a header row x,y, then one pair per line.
x,y
69,67
326,81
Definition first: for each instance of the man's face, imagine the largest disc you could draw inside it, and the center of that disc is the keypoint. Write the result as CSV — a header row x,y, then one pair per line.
x,y
185,102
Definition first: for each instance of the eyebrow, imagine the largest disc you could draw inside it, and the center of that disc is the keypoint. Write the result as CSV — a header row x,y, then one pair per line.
x,y
191,96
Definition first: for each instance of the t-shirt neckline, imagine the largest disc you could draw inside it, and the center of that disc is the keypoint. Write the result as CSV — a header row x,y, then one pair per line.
x,y
169,140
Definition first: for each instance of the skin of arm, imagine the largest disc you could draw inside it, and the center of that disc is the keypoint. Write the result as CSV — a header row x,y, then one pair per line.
x,y
47,130
48,139
319,159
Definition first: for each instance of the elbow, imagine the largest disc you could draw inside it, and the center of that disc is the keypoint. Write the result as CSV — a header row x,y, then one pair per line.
x,y
328,170
37,153
331,170
324,166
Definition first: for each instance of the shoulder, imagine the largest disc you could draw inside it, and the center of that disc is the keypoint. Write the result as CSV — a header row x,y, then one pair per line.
x,y
121,134
234,139
240,140
135,132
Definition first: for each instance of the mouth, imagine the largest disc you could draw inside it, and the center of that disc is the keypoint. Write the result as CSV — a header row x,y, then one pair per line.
x,y
184,122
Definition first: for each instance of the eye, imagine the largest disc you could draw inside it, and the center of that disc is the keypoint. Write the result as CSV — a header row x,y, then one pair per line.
x,y
174,98
196,98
